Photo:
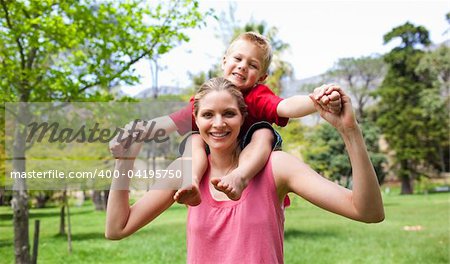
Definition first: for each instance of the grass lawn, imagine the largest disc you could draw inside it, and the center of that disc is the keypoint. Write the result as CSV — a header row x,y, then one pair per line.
x,y
311,235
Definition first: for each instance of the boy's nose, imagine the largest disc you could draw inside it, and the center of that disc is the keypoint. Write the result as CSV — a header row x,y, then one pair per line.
x,y
242,67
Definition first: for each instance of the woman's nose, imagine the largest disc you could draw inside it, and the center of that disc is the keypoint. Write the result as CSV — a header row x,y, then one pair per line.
x,y
218,121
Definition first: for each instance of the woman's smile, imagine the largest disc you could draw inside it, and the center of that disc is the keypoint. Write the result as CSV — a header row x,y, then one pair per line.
x,y
219,135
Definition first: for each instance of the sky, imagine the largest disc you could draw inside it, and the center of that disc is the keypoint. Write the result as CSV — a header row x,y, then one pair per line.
x,y
318,32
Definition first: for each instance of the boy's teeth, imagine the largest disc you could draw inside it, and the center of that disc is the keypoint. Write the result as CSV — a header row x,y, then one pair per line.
x,y
238,75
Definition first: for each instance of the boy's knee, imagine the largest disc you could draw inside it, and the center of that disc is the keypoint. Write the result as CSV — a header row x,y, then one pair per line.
x,y
264,135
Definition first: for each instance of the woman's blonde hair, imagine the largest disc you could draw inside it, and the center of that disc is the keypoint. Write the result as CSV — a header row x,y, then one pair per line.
x,y
217,85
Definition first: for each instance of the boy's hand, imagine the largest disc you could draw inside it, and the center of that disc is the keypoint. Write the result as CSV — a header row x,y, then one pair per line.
x,y
328,97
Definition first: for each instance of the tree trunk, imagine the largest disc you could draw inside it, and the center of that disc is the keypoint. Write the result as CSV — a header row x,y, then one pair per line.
x,y
36,242
98,200
62,223
2,195
41,200
20,219
69,228
105,198
19,202
406,185
405,179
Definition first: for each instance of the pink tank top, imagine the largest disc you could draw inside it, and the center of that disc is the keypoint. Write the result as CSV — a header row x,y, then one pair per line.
x,y
249,230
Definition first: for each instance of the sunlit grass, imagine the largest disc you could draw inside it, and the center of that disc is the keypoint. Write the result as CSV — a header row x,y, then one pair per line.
x,y
311,235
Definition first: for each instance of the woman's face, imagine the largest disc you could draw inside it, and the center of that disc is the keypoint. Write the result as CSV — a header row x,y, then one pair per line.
x,y
219,120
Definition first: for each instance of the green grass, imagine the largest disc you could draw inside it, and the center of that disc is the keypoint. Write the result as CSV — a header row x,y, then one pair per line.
x,y
311,235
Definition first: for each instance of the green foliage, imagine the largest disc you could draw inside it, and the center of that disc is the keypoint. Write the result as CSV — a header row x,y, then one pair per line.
x,y
293,136
436,66
411,111
325,152
435,103
76,50
361,76
410,35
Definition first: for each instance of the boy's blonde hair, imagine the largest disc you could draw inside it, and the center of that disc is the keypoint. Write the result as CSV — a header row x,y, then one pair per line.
x,y
260,41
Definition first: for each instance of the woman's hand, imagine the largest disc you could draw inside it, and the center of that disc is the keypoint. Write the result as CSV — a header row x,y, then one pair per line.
x,y
344,120
127,144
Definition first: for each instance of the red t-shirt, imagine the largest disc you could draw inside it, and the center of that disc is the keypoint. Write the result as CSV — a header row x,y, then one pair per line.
x,y
261,106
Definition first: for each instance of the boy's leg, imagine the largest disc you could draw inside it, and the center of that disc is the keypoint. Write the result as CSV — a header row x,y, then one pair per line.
x,y
253,157
190,194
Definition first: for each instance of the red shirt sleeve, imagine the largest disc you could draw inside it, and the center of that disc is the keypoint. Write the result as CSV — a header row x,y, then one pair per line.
x,y
262,105
184,118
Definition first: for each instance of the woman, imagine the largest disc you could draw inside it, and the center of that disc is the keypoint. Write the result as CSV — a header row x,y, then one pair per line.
x,y
249,230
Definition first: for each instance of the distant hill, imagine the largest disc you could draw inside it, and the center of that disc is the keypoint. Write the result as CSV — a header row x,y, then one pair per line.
x,y
293,86
162,90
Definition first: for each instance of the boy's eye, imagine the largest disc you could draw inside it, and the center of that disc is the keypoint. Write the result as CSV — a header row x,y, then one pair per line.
x,y
237,58
254,66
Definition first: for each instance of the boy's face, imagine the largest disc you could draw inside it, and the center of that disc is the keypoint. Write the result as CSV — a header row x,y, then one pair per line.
x,y
243,65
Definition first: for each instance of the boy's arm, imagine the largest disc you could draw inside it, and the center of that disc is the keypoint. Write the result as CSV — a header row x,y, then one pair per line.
x,y
295,106
302,105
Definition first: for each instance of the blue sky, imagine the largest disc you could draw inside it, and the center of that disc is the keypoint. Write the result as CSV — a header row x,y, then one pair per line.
x,y
318,32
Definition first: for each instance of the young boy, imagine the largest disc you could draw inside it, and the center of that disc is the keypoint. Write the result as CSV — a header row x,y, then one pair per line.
x,y
246,64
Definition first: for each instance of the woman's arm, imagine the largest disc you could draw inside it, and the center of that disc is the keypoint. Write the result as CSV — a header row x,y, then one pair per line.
x,y
364,202
122,219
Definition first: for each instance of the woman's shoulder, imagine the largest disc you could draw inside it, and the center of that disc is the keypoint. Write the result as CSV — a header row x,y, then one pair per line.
x,y
285,165
280,158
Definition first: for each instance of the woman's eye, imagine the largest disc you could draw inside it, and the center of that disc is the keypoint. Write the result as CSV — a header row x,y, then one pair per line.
x,y
207,115
230,114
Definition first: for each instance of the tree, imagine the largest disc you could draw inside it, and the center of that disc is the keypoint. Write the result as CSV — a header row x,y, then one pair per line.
x,y
400,115
325,152
436,104
361,77
74,51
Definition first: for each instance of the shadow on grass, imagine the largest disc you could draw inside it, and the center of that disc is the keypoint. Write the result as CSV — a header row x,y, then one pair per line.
x,y
388,204
44,214
6,243
305,234
81,237
7,218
